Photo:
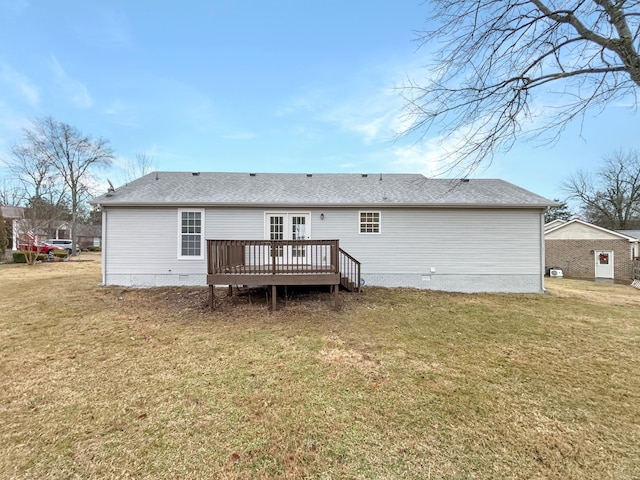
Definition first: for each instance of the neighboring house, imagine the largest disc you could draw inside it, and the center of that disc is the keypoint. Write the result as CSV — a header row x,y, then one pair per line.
x,y
406,230
86,235
21,230
584,250
62,231
553,224
12,217
89,236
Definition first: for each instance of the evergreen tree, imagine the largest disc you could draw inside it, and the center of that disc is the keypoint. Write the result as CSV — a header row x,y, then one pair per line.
x,y
4,241
561,212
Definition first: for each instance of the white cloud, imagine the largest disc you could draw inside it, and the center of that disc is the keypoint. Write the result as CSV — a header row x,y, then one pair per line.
x,y
372,118
370,115
369,104
423,158
433,157
20,83
76,91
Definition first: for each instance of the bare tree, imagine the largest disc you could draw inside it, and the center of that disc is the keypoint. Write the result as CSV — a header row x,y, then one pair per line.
x,y
609,198
73,156
11,192
35,172
142,165
493,55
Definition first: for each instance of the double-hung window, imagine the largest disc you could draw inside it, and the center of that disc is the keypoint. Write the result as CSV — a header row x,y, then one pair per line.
x,y
369,222
191,234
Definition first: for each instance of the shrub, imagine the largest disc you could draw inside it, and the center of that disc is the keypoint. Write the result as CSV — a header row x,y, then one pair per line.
x,y
60,254
21,256
93,248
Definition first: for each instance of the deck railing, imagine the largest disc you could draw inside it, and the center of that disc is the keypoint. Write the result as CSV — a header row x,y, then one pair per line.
x,y
349,271
274,257
280,262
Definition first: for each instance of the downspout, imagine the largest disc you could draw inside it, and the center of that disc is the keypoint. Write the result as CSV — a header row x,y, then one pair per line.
x,y
542,250
103,246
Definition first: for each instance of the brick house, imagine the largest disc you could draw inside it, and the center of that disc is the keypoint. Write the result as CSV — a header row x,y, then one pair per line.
x,y
584,250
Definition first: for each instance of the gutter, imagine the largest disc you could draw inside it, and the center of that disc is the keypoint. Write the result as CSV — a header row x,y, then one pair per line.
x,y
325,205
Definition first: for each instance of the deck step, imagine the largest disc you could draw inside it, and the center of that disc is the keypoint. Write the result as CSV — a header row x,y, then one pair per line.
x,y
346,284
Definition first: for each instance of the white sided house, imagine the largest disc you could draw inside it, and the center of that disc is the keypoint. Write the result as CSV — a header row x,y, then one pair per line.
x,y
403,230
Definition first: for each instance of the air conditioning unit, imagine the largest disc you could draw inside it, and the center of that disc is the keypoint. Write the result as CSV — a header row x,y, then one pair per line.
x,y
555,272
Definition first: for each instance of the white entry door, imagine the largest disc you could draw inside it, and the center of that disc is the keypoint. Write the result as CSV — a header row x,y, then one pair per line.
x,y
604,263
289,226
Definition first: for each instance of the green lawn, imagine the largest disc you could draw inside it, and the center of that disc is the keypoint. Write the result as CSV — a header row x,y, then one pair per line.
x,y
102,382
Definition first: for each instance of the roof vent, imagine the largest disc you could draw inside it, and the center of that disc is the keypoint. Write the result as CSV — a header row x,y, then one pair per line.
x,y
364,175
464,180
195,174
309,175
252,174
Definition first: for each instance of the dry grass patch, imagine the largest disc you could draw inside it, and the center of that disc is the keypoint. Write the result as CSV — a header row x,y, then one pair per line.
x,y
117,383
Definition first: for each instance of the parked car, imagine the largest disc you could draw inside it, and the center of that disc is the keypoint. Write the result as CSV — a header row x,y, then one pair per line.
x,y
45,248
65,243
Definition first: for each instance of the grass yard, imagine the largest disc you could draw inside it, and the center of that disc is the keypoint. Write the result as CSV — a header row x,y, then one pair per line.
x,y
102,382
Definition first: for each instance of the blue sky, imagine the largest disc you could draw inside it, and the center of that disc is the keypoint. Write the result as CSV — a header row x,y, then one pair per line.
x,y
263,85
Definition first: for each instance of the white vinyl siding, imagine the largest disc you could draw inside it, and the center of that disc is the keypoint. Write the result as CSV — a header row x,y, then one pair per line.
x,y
191,234
454,241
449,249
143,242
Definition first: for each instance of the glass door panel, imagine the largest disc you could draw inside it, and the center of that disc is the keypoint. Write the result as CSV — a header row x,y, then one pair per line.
x,y
276,231
289,226
298,232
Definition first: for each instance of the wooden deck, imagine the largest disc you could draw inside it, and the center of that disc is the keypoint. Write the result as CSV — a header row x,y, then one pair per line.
x,y
281,262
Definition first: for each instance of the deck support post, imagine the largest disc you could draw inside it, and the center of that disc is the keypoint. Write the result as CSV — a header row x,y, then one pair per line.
x,y
336,290
211,297
230,292
273,297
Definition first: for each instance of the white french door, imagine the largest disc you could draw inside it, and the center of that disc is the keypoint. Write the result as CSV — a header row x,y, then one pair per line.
x,y
289,226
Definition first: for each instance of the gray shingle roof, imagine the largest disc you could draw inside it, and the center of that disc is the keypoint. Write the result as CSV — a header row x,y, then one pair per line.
x,y
630,233
326,189
12,212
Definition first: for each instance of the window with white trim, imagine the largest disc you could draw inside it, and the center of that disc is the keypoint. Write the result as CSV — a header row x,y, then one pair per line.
x,y
369,222
190,234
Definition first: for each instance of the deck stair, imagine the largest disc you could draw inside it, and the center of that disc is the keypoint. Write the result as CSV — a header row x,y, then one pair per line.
x,y
349,272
